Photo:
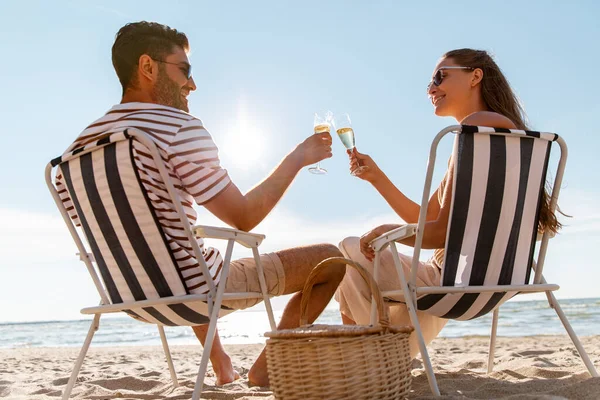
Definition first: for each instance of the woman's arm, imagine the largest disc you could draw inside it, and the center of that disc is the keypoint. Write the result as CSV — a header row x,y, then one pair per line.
x,y
434,232
406,209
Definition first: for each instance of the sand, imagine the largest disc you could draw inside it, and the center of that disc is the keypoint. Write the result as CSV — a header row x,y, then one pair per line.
x,y
539,367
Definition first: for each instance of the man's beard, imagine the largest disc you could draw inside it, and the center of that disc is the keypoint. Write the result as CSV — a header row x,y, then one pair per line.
x,y
167,92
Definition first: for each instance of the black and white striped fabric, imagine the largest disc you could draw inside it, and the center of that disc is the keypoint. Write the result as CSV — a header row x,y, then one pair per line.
x,y
498,182
124,234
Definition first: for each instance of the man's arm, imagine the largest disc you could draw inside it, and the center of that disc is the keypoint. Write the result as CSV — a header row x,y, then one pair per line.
x,y
244,212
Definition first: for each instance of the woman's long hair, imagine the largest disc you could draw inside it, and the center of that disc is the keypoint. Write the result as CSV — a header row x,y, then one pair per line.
x,y
500,98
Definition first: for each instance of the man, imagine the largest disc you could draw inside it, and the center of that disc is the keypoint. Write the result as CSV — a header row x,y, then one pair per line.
x,y
151,62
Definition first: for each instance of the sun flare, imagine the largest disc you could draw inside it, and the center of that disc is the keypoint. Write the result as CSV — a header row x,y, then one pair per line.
x,y
245,143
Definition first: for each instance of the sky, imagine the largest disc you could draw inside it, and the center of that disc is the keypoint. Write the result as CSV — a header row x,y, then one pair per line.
x,y
262,69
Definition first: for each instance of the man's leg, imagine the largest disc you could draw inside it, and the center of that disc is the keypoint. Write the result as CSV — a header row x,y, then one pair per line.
x,y
297,264
219,359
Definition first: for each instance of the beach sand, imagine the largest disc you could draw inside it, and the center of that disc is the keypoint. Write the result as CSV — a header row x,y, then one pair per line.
x,y
539,367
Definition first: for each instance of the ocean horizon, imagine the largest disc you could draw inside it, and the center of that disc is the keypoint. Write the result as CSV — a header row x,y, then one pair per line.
x,y
517,318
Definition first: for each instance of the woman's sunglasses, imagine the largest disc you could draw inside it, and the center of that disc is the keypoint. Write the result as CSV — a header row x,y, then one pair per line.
x,y
183,67
438,78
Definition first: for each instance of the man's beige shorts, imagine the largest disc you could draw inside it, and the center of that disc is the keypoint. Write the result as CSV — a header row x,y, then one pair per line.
x,y
243,277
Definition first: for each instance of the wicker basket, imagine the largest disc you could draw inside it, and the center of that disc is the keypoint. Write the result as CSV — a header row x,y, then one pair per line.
x,y
340,362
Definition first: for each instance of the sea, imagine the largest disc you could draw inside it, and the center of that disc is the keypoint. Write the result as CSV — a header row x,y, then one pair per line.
x,y
517,318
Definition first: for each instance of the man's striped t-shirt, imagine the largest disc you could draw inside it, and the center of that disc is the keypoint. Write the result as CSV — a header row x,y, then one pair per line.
x,y
192,160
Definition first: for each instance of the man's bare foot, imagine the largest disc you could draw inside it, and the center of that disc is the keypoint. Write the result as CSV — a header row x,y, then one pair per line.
x,y
258,375
258,378
223,379
224,371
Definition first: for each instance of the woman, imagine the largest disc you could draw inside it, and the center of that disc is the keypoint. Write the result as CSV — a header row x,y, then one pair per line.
x,y
469,86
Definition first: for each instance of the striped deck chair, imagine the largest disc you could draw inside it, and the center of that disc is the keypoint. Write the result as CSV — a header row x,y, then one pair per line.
x,y
492,230
137,269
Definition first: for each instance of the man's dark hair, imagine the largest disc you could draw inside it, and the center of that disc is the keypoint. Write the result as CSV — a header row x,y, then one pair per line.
x,y
138,38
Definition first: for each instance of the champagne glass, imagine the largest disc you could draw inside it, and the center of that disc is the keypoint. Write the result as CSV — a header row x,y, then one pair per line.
x,y
322,124
343,127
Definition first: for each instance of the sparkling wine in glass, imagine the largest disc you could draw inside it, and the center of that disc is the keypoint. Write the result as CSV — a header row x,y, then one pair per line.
x,y
344,130
322,124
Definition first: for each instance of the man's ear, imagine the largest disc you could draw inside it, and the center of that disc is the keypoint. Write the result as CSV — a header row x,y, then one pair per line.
x,y
147,68
476,77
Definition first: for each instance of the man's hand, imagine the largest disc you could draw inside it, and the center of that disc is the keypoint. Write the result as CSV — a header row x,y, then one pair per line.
x,y
371,172
315,148
365,239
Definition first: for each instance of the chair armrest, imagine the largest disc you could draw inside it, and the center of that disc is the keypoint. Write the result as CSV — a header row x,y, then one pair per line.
x,y
394,235
246,239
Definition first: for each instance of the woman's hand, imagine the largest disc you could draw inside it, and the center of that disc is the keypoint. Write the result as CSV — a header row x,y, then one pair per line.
x,y
365,239
371,172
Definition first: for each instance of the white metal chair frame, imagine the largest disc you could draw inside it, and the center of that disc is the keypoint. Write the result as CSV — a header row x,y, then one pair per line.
x,y
412,291
215,296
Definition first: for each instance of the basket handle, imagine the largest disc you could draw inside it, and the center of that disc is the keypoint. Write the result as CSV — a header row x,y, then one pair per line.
x,y
382,312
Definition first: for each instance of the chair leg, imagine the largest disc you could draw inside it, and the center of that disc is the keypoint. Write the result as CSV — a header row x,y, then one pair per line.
x,y
412,306
373,320
86,345
563,318
423,349
490,366
212,326
210,337
165,345
263,288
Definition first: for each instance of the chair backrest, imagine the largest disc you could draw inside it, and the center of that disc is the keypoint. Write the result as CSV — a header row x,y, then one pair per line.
x,y
126,239
499,178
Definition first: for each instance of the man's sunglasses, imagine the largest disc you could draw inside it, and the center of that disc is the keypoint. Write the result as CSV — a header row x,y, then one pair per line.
x,y
183,67
438,78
